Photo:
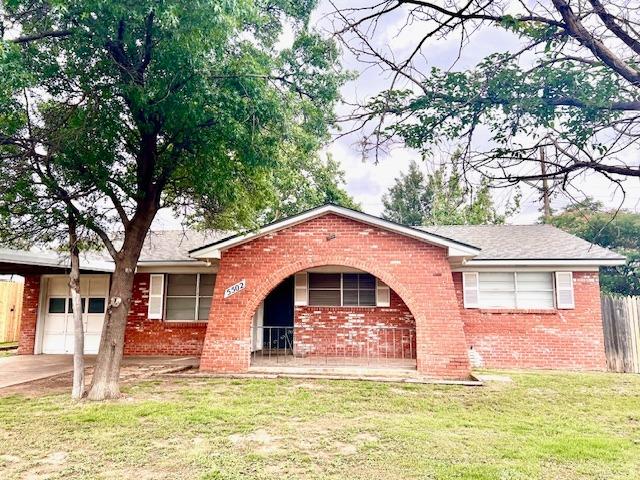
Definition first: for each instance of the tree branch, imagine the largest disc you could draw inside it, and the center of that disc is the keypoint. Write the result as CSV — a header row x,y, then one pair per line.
x,y
42,35
610,23
577,30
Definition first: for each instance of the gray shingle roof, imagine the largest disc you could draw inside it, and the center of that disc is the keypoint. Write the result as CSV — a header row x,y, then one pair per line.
x,y
498,242
526,242
174,245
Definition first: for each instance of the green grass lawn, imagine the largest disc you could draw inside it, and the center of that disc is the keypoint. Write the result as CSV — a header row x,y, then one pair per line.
x,y
551,426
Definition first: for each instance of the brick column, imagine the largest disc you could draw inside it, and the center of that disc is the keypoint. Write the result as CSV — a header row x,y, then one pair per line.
x,y
30,306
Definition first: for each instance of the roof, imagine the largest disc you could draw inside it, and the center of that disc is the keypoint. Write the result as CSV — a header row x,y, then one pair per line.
x,y
481,245
160,247
49,261
174,245
458,248
524,242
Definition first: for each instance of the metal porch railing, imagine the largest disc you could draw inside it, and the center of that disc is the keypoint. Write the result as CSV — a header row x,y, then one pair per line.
x,y
329,345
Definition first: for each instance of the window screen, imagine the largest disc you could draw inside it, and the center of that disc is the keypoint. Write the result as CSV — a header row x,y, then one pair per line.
x,y
515,289
359,289
188,296
336,289
324,289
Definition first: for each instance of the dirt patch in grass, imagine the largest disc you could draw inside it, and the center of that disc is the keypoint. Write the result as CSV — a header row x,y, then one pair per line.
x,y
558,426
129,374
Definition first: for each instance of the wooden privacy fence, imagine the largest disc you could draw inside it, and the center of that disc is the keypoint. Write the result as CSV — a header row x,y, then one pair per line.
x,y
621,322
10,310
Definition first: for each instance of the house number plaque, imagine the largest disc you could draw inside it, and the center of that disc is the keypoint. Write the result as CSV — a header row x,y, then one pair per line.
x,y
235,288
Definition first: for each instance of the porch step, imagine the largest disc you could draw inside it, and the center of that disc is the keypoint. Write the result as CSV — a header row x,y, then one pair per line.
x,y
337,371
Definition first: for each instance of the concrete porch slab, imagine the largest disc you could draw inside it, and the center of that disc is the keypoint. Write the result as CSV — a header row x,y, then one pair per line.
x,y
345,370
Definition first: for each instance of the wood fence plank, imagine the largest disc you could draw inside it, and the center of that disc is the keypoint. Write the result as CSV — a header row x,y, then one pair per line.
x,y
10,310
621,327
635,332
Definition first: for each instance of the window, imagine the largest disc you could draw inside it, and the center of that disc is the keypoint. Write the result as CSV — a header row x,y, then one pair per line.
x,y
96,305
515,290
337,289
189,296
56,305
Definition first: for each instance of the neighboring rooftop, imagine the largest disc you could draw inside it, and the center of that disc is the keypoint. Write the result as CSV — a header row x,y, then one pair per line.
x,y
524,242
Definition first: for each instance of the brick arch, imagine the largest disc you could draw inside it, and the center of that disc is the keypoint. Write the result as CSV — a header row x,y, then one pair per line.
x,y
417,271
278,276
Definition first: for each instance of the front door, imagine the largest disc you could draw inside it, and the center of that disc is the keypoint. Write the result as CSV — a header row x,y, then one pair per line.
x,y
278,316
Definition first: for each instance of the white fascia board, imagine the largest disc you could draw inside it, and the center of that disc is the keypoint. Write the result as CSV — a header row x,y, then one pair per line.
x,y
23,257
193,266
174,263
541,263
454,248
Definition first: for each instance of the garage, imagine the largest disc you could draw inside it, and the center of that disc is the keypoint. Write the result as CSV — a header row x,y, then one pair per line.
x,y
57,336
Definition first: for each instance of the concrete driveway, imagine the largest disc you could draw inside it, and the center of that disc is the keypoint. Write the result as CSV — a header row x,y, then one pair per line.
x,y
18,369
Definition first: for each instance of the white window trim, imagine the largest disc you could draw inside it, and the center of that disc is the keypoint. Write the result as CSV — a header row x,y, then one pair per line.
x,y
515,290
375,291
196,312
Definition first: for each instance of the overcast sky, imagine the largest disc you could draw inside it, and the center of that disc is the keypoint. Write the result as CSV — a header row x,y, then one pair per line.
x,y
367,181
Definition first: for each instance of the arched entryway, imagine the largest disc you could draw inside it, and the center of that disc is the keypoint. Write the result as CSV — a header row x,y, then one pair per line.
x,y
333,316
418,272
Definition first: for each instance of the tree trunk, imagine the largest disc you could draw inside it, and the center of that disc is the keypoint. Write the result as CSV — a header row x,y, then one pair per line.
x,y
77,390
106,374
104,384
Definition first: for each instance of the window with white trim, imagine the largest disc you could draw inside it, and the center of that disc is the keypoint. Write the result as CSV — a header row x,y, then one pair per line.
x,y
516,290
342,289
188,296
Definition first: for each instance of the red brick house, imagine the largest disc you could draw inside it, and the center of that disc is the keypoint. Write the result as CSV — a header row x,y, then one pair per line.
x,y
333,286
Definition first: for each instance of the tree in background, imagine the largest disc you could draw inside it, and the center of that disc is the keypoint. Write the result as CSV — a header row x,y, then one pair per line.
x,y
409,200
181,105
617,230
307,182
570,82
440,198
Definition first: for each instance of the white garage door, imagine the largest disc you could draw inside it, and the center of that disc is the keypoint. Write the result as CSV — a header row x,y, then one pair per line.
x,y
58,317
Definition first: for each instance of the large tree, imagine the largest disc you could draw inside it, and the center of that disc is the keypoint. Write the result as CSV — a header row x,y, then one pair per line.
x,y
617,230
440,198
164,104
306,182
568,80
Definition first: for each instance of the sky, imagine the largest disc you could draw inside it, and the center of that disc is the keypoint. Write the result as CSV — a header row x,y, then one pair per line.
x,y
367,180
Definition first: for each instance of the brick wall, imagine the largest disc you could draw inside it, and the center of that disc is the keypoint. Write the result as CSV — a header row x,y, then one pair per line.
x,y
356,331
331,239
157,337
30,305
555,339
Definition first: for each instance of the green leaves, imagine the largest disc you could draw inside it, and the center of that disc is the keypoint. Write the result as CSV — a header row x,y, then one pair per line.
x,y
618,230
440,198
189,104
